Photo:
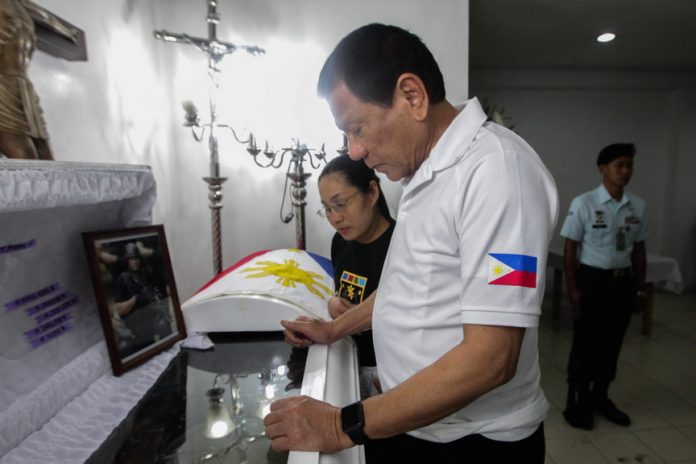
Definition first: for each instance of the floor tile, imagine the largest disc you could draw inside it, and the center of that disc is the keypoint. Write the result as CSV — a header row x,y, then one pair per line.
x,y
669,444
643,417
624,448
555,426
556,395
679,414
574,450
689,432
655,385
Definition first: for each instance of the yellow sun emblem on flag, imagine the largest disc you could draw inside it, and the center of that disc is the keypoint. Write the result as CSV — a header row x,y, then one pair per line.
x,y
498,270
289,274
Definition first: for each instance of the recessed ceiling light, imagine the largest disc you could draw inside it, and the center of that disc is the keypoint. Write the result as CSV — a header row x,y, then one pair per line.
x,y
606,37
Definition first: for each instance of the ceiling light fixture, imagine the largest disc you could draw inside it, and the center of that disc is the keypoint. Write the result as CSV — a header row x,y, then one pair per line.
x,y
606,37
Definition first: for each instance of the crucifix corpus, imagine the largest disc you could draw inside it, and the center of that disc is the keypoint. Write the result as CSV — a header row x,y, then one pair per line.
x,y
25,26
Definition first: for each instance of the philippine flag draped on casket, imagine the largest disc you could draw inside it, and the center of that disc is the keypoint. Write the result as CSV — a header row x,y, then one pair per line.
x,y
260,290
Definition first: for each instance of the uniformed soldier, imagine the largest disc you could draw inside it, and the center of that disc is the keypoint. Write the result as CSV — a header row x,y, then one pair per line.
x,y
604,260
139,305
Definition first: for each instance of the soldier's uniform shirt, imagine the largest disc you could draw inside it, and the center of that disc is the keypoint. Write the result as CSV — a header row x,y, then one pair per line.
x,y
483,190
605,228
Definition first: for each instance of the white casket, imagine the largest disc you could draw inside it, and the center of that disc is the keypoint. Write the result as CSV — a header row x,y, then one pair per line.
x,y
59,401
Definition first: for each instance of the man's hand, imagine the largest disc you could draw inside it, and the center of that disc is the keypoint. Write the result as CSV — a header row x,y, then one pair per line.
x,y
304,331
338,306
301,423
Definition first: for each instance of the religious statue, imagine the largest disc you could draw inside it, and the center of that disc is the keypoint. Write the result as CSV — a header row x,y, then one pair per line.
x,y
23,132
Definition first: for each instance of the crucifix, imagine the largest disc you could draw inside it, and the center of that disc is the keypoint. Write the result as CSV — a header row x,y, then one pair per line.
x,y
215,50
55,35
25,26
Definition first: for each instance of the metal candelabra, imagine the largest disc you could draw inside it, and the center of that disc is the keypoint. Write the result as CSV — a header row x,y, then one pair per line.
x,y
215,50
298,154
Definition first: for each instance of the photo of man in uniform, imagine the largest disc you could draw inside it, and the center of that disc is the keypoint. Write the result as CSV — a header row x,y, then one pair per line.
x,y
141,309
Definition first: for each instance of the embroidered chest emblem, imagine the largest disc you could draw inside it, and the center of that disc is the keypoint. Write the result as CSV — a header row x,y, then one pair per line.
x,y
352,287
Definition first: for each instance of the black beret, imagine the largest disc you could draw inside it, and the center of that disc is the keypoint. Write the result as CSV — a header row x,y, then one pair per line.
x,y
615,150
131,251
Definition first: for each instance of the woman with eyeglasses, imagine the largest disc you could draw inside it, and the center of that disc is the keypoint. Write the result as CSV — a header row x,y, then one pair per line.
x,y
354,204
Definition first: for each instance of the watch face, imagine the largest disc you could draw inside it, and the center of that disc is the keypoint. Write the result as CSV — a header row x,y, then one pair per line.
x,y
352,422
352,417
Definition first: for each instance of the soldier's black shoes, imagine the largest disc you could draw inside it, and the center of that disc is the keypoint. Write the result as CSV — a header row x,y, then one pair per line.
x,y
608,409
580,418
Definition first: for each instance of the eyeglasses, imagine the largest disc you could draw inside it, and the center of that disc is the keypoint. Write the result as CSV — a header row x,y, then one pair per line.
x,y
336,207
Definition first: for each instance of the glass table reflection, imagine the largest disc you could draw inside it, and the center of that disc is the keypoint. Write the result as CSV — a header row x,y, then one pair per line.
x,y
208,406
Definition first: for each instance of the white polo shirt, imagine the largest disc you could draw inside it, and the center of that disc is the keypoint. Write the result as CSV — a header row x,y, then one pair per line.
x,y
595,219
482,191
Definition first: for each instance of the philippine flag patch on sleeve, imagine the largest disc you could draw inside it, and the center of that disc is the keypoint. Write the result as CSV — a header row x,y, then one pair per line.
x,y
509,269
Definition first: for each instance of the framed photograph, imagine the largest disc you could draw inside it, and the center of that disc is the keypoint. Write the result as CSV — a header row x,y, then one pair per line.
x,y
136,293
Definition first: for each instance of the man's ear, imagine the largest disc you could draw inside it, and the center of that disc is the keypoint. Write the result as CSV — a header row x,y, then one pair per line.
x,y
411,90
374,192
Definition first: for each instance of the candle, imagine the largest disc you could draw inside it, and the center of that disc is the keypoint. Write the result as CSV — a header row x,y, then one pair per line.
x,y
189,107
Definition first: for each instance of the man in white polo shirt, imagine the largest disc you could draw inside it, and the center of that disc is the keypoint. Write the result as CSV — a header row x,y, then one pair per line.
x,y
456,314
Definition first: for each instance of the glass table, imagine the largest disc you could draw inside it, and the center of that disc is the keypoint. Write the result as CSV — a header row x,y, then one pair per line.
x,y
208,406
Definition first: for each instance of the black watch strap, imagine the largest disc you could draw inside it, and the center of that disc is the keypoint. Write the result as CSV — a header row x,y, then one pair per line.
x,y
353,421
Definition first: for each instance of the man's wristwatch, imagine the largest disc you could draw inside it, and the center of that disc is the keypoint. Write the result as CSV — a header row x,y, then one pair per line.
x,y
353,421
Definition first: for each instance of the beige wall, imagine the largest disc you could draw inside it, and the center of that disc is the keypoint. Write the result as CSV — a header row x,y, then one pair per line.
x,y
569,116
123,105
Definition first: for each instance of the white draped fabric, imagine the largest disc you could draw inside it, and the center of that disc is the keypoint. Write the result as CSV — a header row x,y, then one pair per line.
x,y
49,390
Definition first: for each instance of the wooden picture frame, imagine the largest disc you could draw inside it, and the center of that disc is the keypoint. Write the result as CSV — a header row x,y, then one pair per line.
x,y
136,293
